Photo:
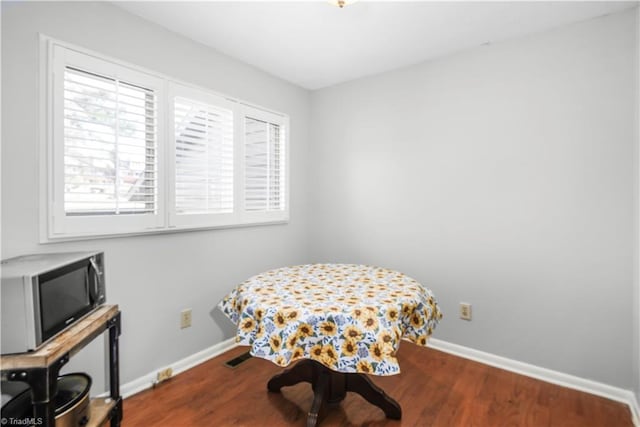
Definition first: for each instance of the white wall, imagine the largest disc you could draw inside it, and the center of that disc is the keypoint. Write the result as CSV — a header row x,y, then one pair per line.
x,y
154,277
500,176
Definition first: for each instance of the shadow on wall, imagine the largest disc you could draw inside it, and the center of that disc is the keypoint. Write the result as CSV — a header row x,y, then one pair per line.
x,y
222,321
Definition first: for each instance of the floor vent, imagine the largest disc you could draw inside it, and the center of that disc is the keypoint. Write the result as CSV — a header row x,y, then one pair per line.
x,y
233,363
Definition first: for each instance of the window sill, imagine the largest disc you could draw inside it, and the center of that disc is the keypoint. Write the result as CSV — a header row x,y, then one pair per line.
x,y
156,231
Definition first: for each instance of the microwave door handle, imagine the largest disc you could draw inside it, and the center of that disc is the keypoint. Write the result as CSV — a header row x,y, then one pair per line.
x,y
97,275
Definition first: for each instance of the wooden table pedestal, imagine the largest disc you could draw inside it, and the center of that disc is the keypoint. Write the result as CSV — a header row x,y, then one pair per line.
x,y
331,387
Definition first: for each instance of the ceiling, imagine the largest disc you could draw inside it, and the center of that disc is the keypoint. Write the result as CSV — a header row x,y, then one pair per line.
x,y
314,44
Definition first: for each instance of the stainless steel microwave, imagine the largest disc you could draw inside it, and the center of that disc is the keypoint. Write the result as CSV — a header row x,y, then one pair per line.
x,y
43,294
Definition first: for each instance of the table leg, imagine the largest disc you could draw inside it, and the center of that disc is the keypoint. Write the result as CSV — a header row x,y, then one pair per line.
x,y
114,326
44,387
301,371
331,387
319,397
361,384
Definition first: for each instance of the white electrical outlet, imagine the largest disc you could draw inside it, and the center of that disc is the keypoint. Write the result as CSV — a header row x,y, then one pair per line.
x,y
465,311
185,318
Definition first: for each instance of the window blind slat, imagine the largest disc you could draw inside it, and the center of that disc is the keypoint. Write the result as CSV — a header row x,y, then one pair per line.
x,y
264,166
203,158
110,157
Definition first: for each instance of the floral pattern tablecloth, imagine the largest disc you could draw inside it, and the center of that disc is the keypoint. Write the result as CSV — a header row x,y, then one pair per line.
x,y
350,318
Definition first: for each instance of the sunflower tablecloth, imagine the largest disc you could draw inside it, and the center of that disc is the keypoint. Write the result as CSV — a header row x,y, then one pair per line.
x,y
350,318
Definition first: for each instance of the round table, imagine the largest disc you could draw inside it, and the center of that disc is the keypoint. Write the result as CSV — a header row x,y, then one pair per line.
x,y
339,321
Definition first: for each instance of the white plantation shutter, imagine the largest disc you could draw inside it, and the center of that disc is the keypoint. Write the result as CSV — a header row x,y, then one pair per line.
x,y
105,152
264,163
110,161
204,158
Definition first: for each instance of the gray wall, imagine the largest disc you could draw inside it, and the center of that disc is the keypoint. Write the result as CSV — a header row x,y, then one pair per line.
x,y
153,277
501,176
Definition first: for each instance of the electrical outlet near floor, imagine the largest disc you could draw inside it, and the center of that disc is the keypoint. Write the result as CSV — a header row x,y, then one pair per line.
x,y
185,318
465,311
164,375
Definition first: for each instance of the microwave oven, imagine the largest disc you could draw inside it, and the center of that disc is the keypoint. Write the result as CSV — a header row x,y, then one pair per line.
x,y
43,294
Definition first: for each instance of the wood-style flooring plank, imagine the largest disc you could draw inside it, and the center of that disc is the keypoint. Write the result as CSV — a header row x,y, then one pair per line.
x,y
434,389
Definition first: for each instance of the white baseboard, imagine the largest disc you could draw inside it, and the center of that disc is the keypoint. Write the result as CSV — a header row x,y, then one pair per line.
x,y
635,410
147,381
548,375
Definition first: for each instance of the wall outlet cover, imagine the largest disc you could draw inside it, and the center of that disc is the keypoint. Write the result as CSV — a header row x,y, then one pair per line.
x,y
185,318
465,311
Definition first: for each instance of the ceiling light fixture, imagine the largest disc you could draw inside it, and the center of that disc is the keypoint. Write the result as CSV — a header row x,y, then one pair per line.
x,y
341,3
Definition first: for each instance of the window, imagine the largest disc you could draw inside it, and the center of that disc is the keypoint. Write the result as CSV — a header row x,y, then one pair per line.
x,y
105,153
109,146
130,151
264,164
202,159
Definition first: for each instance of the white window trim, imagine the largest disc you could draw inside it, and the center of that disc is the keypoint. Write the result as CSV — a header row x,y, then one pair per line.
x,y
49,230
84,225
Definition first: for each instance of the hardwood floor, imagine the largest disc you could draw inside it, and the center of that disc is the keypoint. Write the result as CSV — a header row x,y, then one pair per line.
x,y
434,389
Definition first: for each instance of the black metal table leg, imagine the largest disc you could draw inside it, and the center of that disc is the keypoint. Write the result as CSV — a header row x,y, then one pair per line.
x,y
44,386
114,368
